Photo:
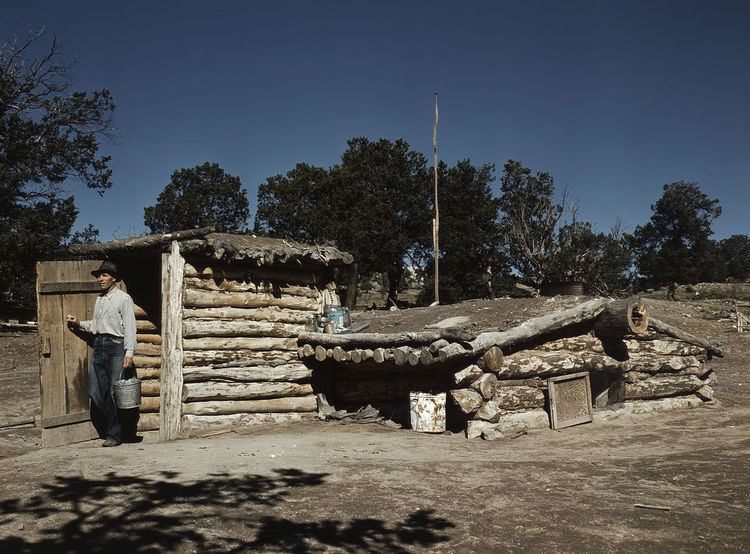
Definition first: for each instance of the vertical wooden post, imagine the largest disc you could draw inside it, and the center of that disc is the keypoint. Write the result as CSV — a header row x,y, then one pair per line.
x,y
436,219
170,412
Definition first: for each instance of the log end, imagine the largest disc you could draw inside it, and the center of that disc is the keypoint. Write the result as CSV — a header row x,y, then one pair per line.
x,y
622,317
638,317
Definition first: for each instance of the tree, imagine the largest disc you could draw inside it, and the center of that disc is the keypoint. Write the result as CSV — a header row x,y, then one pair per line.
x,y
49,135
735,253
469,233
598,260
675,245
89,235
385,193
374,204
293,205
529,220
543,250
202,196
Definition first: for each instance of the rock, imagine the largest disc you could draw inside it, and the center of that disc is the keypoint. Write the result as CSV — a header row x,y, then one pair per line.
x,y
450,323
491,434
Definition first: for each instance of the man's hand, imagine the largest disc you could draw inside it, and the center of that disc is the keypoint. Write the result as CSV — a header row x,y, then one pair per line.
x,y
73,322
127,362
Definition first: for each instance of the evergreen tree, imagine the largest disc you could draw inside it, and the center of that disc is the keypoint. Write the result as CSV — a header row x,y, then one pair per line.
x,y
49,135
675,245
470,240
202,196
374,204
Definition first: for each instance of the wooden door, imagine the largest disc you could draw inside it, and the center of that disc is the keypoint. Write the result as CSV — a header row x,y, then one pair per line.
x,y
64,287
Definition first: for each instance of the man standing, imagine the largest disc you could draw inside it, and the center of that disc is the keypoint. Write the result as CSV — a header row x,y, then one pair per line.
x,y
671,289
113,327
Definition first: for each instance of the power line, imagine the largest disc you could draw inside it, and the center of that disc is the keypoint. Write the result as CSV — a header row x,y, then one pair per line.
x,y
276,128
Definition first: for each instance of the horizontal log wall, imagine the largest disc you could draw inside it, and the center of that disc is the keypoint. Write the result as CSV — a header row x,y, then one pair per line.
x,y
505,389
197,425
147,360
240,362
269,314
508,396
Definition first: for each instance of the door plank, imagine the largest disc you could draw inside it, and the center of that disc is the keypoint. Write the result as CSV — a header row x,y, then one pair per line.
x,y
77,351
51,335
85,286
68,434
64,420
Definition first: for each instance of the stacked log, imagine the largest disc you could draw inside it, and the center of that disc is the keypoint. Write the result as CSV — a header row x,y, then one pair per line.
x,y
500,394
240,361
407,349
147,360
498,380
494,402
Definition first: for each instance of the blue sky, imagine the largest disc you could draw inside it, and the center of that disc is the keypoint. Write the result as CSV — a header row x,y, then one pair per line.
x,y
615,99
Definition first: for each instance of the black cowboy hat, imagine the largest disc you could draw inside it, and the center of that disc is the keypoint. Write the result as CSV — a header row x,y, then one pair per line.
x,y
107,267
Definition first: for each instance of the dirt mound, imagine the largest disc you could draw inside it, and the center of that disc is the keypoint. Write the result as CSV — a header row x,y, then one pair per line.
x,y
705,318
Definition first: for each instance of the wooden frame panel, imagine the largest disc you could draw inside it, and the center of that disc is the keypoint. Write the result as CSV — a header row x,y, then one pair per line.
x,y
64,357
570,400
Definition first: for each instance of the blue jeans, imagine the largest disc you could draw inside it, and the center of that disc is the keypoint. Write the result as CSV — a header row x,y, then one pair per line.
x,y
106,370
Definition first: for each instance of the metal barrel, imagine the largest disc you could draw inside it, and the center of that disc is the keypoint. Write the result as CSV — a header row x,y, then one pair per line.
x,y
427,412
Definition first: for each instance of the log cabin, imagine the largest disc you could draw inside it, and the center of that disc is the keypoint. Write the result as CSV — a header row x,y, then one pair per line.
x,y
218,317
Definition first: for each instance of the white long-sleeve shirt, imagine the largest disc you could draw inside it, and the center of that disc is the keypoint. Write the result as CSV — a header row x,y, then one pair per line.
x,y
114,315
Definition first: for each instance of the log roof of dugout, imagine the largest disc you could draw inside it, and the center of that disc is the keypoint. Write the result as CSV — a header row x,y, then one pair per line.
x,y
225,247
414,338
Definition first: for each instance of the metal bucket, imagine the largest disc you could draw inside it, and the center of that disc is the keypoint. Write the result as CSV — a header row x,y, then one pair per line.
x,y
427,412
340,318
128,393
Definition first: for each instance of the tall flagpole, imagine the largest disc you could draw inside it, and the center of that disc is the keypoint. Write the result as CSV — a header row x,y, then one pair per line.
x,y
436,220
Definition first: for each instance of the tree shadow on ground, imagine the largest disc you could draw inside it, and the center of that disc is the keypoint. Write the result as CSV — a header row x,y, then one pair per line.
x,y
357,535
217,513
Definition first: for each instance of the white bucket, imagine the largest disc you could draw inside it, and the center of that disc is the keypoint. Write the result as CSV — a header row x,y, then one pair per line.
x,y
427,412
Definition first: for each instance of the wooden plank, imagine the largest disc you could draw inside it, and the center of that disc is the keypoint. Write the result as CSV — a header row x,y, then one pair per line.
x,y
148,422
269,313
258,287
238,328
78,417
214,299
146,349
369,340
285,373
240,343
150,404
70,287
238,357
253,272
51,336
77,352
148,338
244,391
69,434
270,405
196,425
173,267
148,372
147,361
145,326
672,331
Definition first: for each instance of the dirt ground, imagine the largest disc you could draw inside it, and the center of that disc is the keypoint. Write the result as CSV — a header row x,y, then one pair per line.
x,y
369,488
